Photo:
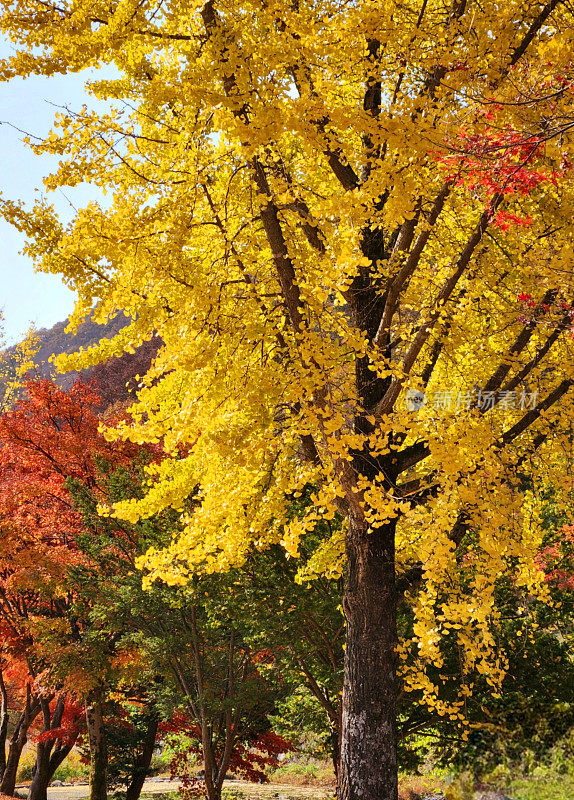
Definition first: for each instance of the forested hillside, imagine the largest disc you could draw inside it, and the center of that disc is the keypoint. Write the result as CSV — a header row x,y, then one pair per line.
x,y
115,378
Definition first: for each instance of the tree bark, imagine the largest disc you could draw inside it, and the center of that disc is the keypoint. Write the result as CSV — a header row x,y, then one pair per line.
x,y
211,770
3,723
49,754
98,751
369,742
143,761
335,737
45,767
17,742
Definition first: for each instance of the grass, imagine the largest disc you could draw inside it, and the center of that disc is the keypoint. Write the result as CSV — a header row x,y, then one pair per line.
x,y
551,787
310,772
72,769
413,786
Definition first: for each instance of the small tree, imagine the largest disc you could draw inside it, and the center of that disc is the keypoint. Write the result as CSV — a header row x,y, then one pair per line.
x,y
50,437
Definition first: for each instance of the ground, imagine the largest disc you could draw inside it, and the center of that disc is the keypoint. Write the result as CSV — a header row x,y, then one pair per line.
x,y
541,788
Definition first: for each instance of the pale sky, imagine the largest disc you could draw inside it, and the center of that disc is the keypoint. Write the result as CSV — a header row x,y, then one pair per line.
x,y
28,297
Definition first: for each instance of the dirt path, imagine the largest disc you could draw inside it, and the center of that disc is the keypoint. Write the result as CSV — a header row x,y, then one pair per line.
x,y
78,792
252,791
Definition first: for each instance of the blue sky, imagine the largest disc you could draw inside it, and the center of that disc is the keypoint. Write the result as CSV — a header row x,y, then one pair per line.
x,y
26,296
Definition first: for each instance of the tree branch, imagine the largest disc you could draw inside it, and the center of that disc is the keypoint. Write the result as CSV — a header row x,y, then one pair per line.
x,y
387,402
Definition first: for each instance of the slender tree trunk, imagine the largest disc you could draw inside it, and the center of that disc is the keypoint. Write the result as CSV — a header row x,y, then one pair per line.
x,y
3,723
369,748
210,767
17,742
143,761
335,737
98,751
41,777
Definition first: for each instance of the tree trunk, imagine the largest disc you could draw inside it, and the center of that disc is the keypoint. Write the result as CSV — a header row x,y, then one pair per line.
x,y
41,777
335,737
210,767
214,791
143,761
369,747
45,768
98,751
49,754
3,724
17,742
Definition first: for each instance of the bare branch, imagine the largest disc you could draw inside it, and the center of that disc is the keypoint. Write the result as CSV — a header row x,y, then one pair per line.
x,y
495,381
532,415
520,49
409,266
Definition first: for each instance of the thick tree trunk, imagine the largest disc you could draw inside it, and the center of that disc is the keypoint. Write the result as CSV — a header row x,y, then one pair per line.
x,y
214,792
369,748
17,742
98,751
143,761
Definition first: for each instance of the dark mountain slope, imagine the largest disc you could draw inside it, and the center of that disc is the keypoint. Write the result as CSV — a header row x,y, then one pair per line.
x,y
115,378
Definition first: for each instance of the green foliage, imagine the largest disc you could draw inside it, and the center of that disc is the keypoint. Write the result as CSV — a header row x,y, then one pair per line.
x,y
26,766
304,772
126,735
543,788
74,768
301,719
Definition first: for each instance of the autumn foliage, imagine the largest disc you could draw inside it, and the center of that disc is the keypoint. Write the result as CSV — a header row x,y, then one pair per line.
x,y
70,661
321,208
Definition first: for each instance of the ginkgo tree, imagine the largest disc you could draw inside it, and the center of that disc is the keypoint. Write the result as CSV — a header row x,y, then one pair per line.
x,y
350,225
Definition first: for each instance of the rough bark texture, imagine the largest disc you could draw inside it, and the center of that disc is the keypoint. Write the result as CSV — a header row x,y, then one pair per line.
x,y
369,742
143,761
369,753
98,751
